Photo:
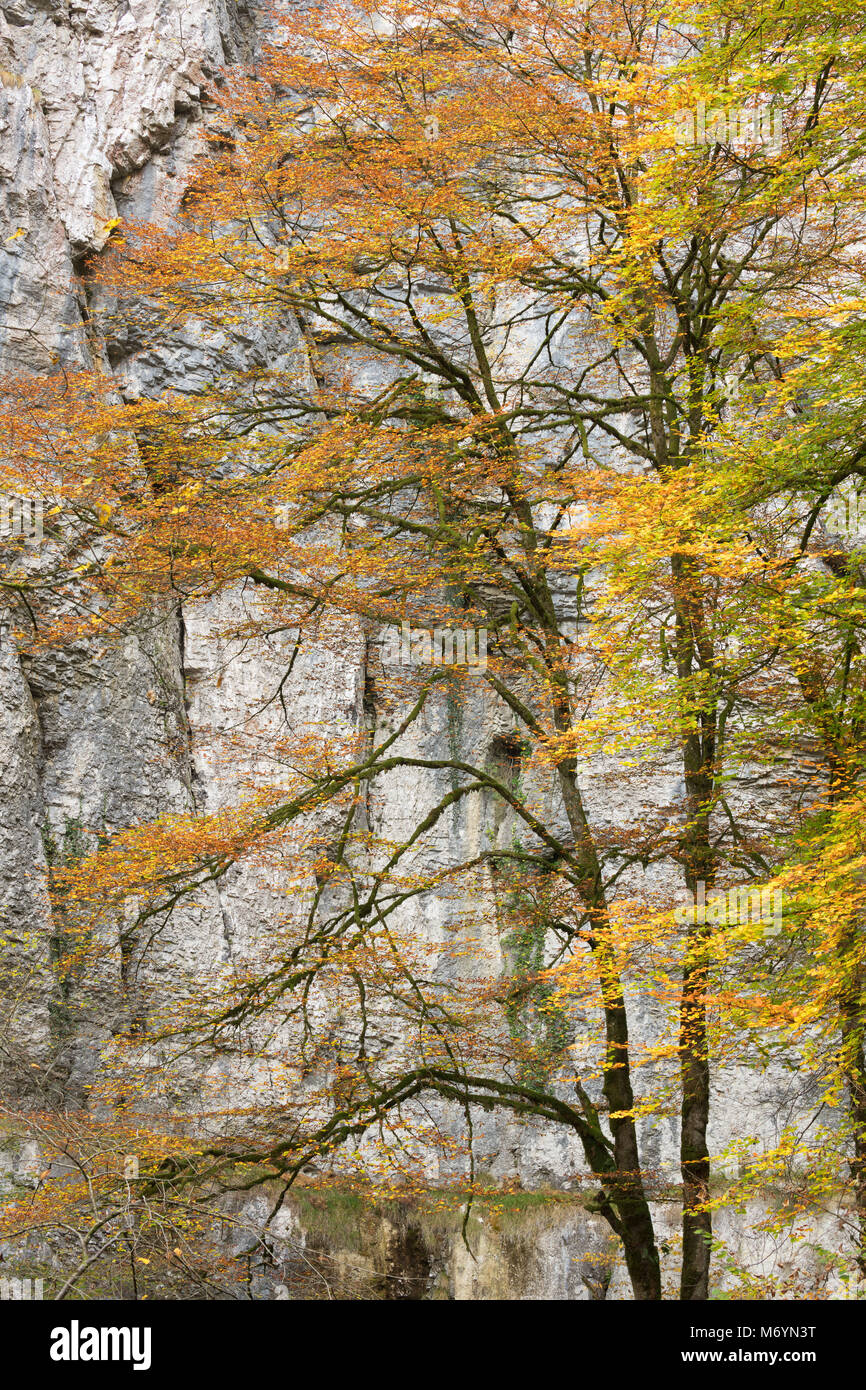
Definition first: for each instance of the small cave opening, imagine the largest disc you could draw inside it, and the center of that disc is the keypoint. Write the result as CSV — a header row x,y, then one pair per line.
x,y
505,758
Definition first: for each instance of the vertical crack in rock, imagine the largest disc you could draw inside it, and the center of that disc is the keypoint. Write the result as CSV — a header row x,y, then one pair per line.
x,y
187,734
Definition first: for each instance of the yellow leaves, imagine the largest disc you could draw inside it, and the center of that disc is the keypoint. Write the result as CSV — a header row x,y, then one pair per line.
x,y
390,468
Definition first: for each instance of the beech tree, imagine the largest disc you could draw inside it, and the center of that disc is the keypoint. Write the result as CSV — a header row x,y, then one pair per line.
x,y
534,320
805,606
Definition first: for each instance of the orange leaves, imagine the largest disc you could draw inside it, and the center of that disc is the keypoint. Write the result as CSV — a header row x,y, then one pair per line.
x,y
472,341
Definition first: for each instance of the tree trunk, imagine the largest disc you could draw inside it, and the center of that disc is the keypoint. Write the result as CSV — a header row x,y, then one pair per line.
x,y
694,1154
626,1184
694,655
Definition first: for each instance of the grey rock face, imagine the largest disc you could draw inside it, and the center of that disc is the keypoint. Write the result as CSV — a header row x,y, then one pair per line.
x,y
112,79
42,314
99,106
25,920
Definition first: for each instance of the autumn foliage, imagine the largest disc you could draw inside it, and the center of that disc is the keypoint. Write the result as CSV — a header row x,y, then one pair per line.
x,y
523,360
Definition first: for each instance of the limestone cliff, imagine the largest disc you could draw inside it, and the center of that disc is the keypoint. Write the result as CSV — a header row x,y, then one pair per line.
x,y
100,105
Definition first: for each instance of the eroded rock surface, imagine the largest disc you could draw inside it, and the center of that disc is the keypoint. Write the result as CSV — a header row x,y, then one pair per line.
x,y
100,105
